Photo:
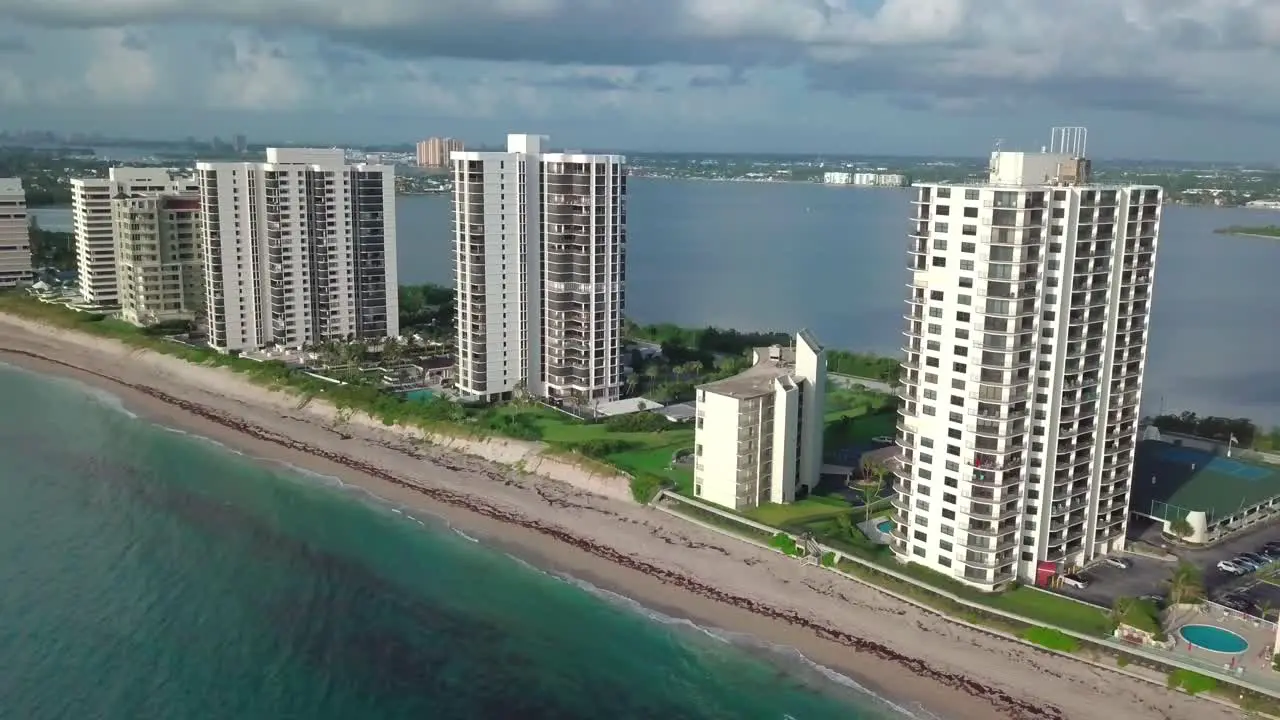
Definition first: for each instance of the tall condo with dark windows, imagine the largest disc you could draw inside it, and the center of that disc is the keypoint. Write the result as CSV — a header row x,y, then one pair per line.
x,y
540,269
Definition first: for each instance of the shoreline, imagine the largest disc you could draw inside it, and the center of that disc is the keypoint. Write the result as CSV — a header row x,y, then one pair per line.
x,y
846,628
484,532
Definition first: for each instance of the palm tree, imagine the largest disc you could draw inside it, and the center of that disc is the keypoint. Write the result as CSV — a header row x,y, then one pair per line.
x,y
1185,584
632,382
392,350
873,474
1120,610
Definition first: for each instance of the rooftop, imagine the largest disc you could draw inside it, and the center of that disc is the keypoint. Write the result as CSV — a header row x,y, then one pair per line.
x,y
1192,480
774,362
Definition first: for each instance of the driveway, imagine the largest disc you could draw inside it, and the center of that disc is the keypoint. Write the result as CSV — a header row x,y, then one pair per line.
x,y
1150,577
848,381
1106,583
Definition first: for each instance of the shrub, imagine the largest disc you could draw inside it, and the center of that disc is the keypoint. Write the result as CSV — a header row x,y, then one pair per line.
x,y
1122,661
644,486
828,559
638,422
1192,683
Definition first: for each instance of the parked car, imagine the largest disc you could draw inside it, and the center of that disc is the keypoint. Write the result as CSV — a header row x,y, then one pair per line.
x,y
1238,603
1269,555
1118,562
1078,582
1244,562
1157,600
1231,568
1272,545
1260,560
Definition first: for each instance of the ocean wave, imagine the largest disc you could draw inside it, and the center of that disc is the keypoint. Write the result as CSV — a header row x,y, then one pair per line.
x,y
463,535
742,640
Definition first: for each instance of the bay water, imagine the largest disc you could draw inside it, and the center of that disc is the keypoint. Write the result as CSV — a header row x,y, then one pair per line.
x,y
146,573
782,256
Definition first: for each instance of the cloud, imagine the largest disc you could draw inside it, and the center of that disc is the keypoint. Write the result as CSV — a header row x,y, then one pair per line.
x,y
543,57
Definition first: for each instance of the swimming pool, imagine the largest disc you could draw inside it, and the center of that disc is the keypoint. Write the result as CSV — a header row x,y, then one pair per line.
x,y
1214,639
885,526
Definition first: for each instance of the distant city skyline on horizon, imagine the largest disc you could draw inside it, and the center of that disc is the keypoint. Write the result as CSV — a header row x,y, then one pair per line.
x,y
920,77
407,145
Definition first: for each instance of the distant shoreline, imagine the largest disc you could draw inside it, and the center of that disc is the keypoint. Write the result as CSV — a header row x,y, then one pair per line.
x,y
1270,232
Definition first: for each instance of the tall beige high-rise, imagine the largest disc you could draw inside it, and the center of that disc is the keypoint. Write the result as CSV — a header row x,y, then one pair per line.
x,y
159,271
434,152
15,243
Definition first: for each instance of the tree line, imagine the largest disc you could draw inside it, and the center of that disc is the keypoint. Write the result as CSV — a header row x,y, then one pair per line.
x,y
1213,427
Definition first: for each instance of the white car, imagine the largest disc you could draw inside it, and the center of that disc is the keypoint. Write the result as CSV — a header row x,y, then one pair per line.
x,y
1076,581
1231,568
1115,562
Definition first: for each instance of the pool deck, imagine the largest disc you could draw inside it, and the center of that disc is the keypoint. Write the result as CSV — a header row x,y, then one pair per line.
x,y
1253,665
872,531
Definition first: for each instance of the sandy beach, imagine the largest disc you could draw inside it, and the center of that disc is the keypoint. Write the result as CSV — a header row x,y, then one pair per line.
x,y
586,525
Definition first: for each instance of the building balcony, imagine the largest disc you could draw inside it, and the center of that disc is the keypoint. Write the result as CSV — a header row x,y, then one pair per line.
x,y
995,479
986,543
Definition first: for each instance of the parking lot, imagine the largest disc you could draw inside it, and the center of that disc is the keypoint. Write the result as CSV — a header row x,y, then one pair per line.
x,y
1149,576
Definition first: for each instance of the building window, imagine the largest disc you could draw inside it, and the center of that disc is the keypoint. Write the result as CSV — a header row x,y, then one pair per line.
x,y
940,227
970,194
939,261
969,230
935,295
966,265
970,212
939,244
968,247
942,210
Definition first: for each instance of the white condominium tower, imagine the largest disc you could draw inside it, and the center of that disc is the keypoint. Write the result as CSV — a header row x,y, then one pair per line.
x,y
91,221
540,265
15,245
298,250
1026,334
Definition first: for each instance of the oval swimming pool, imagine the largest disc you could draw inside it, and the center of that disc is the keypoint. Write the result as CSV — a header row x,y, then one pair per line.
x,y
886,526
1214,639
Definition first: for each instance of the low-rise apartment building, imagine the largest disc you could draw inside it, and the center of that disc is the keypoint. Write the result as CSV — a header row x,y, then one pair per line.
x,y
758,435
158,265
15,242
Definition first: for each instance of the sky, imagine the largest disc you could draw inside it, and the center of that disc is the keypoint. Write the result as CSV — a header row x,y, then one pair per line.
x,y
1170,79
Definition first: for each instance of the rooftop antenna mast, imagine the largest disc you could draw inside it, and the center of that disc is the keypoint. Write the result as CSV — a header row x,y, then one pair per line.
x,y
1071,141
995,156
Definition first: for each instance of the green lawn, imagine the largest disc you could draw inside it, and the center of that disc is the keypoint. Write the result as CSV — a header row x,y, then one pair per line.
x,y
846,430
799,512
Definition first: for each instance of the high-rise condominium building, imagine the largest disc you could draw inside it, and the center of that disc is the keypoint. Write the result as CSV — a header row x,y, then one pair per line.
x,y
540,264
1026,334
159,268
434,152
15,243
298,250
758,437
91,220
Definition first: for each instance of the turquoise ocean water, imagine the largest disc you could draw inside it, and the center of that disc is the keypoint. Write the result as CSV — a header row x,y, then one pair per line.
x,y
145,573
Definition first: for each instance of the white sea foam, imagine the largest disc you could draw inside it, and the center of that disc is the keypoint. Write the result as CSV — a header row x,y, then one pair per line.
x,y
743,639
463,535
